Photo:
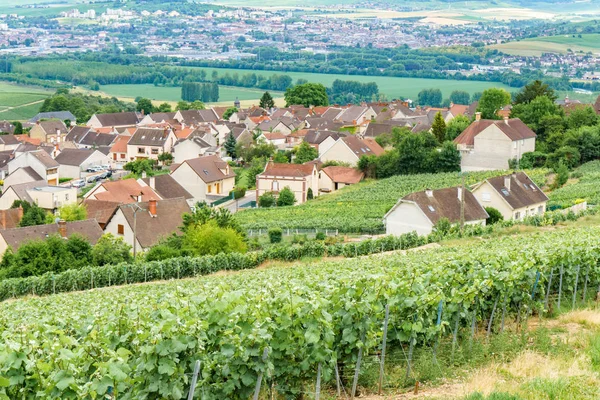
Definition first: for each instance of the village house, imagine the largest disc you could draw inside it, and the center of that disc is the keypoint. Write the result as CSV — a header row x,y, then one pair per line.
x,y
118,151
333,178
166,187
59,115
516,196
194,147
206,178
490,144
74,162
420,211
16,237
350,149
38,192
300,178
9,143
114,120
83,137
153,221
22,167
51,131
150,143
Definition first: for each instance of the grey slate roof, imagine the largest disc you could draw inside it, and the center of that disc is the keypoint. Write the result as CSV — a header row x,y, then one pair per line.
x,y
523,192
149,137
74,157
118,119
61,115
16,237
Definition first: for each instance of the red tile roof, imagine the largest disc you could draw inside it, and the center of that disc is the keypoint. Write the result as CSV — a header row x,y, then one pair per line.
x,y
345,175
289,170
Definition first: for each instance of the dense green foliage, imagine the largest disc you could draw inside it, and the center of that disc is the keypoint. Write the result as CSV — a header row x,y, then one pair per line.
x,y
205,92
83,106
352,92
299,315
491,101
266,101
305,153
307,94
286,197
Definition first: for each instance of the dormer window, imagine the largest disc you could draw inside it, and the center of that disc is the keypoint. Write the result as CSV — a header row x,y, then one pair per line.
x,y
431,208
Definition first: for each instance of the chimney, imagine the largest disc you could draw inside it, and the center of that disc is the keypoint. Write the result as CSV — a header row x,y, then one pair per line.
x,y
429,192
62,228
152,208
507,182
477,116
506,120
144,175
152,182
459,193
20,213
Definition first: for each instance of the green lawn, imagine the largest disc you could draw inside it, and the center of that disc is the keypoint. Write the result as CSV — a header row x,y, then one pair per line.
x,y
226,93
551,44
19,99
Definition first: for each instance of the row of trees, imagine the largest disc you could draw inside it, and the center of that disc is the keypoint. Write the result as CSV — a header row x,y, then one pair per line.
x,y
205,92
352,92
434,98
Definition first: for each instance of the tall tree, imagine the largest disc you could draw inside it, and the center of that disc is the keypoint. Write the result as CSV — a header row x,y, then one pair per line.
x,y
430,97
456,126
460,97
492,100
145,105
305,153
230,145
266,101
535,89
308,94
229,112
438,128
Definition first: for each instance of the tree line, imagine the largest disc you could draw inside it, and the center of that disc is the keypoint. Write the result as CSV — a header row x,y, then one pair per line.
x,y
205,92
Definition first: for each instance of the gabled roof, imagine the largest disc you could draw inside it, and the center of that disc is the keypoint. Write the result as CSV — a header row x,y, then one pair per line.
x,y
74,157
317,137
5,157
288,170
17,237
513,128
352,114
120,144
168,219
31,172
364,147
10,218
52,126
374,130
347,175
125,191
149,137
61,115
89,137
197,116
160,117
44,158
118,119
167,187
523,191
7,127
22,188
9,140
77,132
445,203
209,168
101,211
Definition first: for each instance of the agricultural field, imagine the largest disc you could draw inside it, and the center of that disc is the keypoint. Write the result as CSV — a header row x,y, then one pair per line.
x,y
284,326
359,208
551,44
583,186
173,94
20,102
392,87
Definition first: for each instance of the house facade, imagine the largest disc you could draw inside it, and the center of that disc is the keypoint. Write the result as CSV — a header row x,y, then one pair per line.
x,y
420,211
39,161
350,149
51,131
149,143
333,178
205,178
298,177
74,162
516,196
491,144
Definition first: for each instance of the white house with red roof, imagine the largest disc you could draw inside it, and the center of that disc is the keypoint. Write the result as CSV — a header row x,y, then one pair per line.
x,y
350,149
489,144
298,177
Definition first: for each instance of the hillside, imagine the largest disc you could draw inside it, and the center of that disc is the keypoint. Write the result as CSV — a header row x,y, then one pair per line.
x,y
552,44
142,341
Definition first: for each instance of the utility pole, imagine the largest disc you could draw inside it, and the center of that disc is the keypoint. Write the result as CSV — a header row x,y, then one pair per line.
x,y
136,208
462,202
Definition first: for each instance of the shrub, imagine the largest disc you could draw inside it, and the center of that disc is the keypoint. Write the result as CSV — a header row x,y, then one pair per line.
x,y
266,200
286,198
309,194
209,238
494,216
442,227
239,192
299,239
275,235
320,236
562,175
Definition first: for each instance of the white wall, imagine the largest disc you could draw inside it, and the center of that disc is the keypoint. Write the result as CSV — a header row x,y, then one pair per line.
x,y
186,177
7,199
406,218
186,150
112,227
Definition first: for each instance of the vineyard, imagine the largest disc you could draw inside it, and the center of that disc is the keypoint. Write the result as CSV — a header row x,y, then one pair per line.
x,y
360,208
586,188
292,326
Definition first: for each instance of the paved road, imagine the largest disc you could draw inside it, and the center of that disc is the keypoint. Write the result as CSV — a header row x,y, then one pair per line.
x,y
250,196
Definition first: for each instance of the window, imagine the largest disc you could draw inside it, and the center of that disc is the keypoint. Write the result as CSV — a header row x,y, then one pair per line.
x,y
120,229
154,151
486,197
514,145
67,197
122,155
275,186
540,209
505,192
517,215
209,188
431,208
141,150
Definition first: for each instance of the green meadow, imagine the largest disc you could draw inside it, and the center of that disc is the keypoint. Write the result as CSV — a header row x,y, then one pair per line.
x,y
552,44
